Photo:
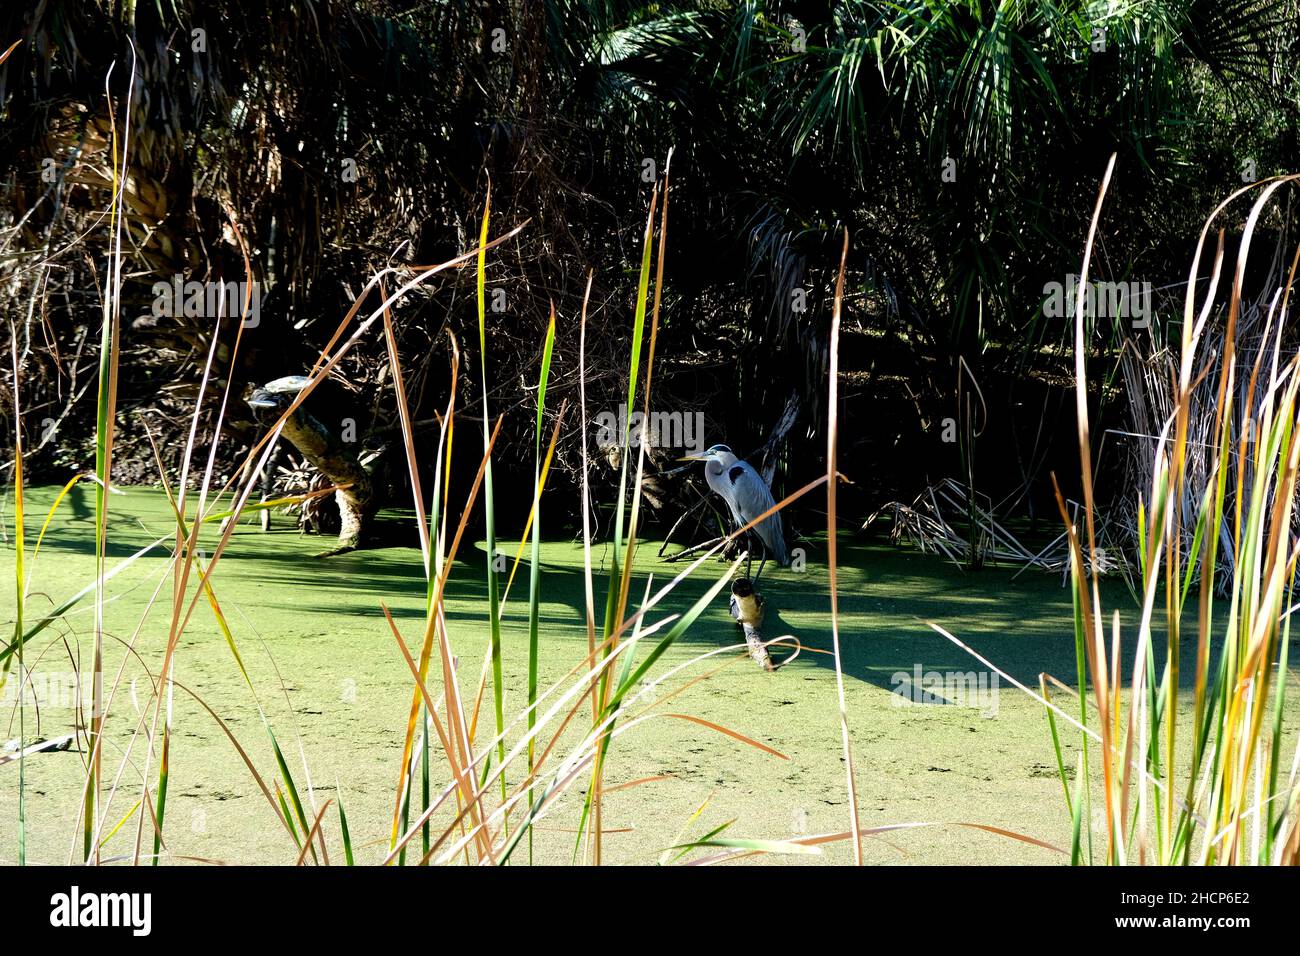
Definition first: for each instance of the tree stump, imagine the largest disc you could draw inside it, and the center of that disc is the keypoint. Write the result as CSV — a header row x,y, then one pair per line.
x,y
328,453
337,462
747,609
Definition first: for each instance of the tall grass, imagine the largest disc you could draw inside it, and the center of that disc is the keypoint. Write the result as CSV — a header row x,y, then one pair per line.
x,y
544,736
106,405
20,549
1192,771
462,794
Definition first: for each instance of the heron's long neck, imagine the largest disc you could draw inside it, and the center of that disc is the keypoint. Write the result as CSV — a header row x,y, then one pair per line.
x,y
715,474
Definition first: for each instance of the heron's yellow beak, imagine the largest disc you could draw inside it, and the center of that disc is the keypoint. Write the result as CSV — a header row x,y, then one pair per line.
x,y
692,458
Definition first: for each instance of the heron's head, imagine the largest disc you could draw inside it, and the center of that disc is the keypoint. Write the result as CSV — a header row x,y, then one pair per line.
x,y
720,453
274,398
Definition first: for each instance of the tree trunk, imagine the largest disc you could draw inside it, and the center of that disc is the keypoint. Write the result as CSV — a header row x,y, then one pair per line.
x,y
336,461
747,609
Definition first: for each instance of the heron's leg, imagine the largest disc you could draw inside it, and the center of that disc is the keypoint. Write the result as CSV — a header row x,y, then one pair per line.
x,y
762,559
749,554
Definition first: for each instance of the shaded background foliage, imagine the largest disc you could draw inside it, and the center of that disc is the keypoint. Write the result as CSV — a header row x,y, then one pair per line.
x,y
790,121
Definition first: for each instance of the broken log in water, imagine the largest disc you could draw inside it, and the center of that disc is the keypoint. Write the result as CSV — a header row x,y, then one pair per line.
x,y
747,609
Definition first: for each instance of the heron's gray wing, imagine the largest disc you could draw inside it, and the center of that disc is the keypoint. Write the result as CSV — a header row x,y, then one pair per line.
x,y
749,492
752,498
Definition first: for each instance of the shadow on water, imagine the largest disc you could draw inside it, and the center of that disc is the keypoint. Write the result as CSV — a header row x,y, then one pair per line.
x,y
1021,623
1024,625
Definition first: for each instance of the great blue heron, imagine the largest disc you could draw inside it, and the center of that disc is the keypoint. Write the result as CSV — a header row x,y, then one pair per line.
x,y
747,496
